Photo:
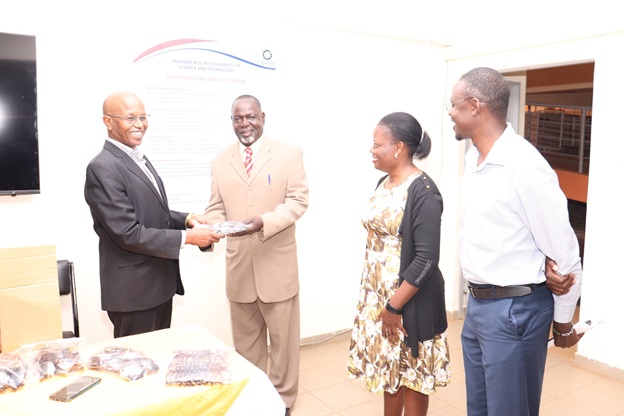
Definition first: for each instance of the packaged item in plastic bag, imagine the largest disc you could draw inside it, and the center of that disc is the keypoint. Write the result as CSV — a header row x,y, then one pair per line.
x,y
51,358
13,371
125,362
200,367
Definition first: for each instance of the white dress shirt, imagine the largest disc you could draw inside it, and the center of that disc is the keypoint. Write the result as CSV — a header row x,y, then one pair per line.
x,y
515,214
255,148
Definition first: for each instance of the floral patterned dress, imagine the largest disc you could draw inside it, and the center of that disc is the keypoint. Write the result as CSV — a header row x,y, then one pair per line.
x,y
383,366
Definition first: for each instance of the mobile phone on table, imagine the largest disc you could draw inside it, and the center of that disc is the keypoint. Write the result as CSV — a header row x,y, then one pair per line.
x,y
75,389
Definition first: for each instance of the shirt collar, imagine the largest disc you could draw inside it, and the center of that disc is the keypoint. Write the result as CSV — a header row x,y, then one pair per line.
x,y
134,153
255,147
499,153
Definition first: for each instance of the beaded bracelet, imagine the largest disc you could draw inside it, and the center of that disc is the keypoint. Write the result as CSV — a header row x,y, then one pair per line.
x,y
393,310
565,334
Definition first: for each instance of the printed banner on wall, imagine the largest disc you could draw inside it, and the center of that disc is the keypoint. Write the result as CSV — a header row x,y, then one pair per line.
x,y
188,89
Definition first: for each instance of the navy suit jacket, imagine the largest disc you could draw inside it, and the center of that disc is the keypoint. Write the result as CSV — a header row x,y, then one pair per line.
x,y
139,235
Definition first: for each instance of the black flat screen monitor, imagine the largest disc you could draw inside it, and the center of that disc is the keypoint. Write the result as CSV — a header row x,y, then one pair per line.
x,y
19,143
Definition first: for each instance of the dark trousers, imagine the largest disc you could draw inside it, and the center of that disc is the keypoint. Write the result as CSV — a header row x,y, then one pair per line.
x,y
504,345
138,322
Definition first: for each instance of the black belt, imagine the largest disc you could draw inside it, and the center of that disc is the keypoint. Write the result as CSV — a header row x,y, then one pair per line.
x,y
497,292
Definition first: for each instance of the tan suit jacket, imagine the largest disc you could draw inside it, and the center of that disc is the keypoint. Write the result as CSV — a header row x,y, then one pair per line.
x,y
262,265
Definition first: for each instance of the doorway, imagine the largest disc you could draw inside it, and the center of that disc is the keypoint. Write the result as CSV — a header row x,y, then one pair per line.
x,y
557,120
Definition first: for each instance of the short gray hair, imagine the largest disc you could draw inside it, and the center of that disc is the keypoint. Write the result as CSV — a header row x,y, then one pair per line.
x,y
489,86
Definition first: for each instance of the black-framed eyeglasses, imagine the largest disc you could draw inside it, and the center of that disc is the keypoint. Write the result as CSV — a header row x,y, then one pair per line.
x,y
132,119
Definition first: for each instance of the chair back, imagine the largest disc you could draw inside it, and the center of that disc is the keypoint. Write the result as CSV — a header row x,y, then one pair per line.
x,y
67,286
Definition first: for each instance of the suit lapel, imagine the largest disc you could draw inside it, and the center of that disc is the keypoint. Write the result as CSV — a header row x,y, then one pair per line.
x,y
236,162
261,159
161,185
127,161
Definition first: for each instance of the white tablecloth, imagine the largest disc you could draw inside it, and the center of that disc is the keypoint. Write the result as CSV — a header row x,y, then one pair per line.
x,y
150,395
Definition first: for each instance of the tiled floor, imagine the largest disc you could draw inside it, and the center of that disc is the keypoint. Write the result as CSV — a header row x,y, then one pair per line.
x,y
325,389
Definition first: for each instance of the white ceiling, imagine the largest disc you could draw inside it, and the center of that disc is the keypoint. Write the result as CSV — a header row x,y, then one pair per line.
x,y
476,24
462,23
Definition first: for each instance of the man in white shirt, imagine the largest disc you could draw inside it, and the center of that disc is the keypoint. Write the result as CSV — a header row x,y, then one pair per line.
x,y
514,216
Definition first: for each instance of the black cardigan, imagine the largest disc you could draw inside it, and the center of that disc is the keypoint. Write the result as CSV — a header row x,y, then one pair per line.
x,y
424,315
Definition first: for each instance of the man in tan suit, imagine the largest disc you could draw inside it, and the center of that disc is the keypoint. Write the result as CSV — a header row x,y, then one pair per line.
x,y
269,193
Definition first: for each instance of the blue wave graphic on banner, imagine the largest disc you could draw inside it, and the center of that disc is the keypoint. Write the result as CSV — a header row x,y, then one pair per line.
x,y
158,50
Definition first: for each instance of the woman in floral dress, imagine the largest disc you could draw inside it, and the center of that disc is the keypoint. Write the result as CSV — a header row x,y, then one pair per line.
x,y
399,343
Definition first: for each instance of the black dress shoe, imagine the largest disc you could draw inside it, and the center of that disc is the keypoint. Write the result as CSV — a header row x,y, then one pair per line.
x,y
287,412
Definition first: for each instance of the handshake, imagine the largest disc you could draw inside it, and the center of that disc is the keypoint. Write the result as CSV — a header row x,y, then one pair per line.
x,y
203,234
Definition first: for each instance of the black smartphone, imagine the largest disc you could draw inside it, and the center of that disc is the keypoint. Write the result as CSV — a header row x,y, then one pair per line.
x,y
75,389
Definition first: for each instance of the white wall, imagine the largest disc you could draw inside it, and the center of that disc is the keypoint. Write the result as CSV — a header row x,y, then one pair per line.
x,y
333,88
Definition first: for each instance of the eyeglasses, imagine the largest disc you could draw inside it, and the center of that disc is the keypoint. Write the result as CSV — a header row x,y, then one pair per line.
x,y
238,120
132,119
451,104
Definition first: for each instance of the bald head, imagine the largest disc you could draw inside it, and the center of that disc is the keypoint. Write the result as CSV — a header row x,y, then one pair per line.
x,y
117,100
125,118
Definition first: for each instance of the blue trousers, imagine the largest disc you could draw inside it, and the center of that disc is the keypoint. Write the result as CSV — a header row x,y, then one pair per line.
x,y
504,345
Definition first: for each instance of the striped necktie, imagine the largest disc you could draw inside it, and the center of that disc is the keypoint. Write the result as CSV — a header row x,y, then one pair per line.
x,y
248,161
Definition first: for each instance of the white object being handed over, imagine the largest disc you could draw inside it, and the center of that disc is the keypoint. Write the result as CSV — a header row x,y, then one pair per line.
x,y
579,328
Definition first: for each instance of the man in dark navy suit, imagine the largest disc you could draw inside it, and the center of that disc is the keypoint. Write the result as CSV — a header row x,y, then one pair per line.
x,y
140,237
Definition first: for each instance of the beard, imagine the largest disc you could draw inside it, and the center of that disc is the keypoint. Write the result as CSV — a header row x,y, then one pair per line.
x,y
458,136
247,140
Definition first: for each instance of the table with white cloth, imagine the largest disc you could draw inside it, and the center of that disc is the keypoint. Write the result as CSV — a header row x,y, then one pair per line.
x,y
249,393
